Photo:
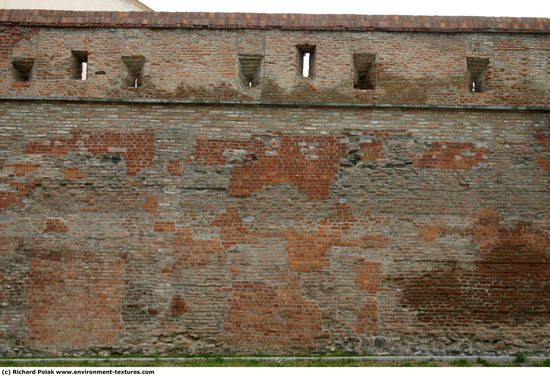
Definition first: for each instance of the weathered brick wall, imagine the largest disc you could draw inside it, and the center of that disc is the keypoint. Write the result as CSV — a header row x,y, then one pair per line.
x,y
411,218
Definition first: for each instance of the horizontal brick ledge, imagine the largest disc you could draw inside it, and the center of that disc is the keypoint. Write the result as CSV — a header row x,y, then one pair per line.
x,y
449,24
277,103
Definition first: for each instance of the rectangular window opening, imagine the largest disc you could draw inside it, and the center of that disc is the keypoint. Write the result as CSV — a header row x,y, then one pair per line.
x,y
363,64
22,68
305,64
79,65
306,60
133,70
478,74
250,69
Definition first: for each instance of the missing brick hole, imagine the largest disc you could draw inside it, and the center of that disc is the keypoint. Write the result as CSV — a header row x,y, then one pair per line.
x,y
306,60
250,157
353,158
133,70
79,65
250,69
22,69
363,64
106,158
478,74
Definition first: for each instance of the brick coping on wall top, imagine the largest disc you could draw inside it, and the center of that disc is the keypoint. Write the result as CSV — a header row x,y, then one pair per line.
x,y
328,22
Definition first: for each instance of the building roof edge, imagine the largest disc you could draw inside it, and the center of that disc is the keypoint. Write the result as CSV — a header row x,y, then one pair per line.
x,y
288,21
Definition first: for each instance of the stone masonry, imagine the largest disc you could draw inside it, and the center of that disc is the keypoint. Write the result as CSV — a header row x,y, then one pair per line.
x,y
195,193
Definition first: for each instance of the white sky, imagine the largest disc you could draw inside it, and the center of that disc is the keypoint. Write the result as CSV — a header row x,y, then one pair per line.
x,y
511,8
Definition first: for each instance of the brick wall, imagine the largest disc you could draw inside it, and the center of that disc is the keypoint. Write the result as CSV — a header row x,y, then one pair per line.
x,y
301,215
410,68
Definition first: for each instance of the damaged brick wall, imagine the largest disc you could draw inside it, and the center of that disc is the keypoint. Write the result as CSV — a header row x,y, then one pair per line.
x,y
240,228
390,254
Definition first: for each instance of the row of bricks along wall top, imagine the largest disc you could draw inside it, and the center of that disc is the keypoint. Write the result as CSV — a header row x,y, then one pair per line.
x,y
194,183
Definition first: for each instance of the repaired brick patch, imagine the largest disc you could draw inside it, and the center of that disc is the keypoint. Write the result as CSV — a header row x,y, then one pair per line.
x,y
135,148
507,285
310,163
74,293
55,225
263,315
451,156
544,140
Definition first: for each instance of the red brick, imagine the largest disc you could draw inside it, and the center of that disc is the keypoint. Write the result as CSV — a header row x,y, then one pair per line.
x,y
136,149
310,170
452,156
73,173
23,169
55,225
174,168
165,226
262,315
151,204
82,290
